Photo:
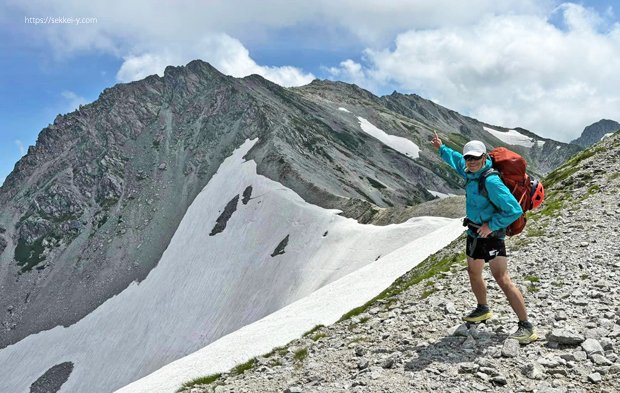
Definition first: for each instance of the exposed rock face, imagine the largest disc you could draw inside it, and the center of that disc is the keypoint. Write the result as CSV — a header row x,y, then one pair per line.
x,y
567,264
53,379
594,132
94,204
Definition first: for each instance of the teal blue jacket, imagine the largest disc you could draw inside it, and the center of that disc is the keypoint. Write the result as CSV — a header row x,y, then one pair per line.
x,y
499,209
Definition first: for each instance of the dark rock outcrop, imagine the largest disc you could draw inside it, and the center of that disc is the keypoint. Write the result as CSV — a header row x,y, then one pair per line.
x,y
53,379
594,132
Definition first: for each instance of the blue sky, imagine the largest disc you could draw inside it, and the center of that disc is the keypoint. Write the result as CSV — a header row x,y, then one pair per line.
x,y
547,66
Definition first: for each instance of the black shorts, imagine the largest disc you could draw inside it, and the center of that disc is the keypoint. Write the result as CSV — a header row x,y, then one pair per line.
x,y
485,248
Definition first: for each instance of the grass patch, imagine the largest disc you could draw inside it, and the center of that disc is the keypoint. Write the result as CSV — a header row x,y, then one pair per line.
x,y
364,319
552,205
584,276
532,289
426,269
240,369
318,336
200,381
301,354
357,340
427,293
570,167
614,176
313,330
278,350
535,232
275,363
456,141
532,278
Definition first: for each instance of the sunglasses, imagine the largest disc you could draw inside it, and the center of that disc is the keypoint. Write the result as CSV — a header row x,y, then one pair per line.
x,y
472,158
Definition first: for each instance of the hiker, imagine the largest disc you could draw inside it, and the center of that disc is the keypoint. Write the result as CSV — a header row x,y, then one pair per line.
x,y
488,216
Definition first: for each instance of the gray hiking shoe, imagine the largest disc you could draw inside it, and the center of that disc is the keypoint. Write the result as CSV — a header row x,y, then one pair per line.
x,y
478,315
525,333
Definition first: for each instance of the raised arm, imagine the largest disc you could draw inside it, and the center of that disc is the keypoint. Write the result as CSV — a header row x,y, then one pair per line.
x,y
451,157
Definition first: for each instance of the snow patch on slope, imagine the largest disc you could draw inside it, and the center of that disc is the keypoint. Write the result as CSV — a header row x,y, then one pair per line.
x,y
400,144
205,287
323,307
512,137
440,195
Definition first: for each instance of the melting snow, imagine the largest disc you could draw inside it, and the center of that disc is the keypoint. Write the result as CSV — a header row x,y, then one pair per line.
x,y
440,194
344,110
323,307
512,137
403,145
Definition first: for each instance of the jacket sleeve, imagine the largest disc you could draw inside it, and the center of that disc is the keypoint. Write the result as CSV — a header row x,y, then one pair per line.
x,y
453,158
508,207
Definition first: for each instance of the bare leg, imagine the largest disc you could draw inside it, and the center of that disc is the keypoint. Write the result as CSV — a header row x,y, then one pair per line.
x,y
478,285
499,268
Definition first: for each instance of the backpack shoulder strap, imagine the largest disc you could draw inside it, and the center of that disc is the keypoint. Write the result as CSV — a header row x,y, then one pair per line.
x,y
482,180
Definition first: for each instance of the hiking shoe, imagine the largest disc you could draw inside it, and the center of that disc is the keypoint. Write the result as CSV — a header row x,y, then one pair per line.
x,y
478,315
525,334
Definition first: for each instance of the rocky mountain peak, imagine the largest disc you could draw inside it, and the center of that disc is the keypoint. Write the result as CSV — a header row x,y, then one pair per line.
x,y
329,88
594,132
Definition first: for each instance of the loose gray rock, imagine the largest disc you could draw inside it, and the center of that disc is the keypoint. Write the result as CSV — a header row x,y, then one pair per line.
x,y
592,346
468,368
595,378
565,336
600,360
511,348
533,370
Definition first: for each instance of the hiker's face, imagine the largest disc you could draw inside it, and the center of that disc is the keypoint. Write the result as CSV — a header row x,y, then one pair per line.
x,y
475,164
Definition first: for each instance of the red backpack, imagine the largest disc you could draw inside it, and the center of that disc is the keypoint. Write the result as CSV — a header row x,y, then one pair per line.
x,y
510,167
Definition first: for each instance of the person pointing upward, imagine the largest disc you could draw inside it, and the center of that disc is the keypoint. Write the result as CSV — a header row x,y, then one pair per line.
x,y
488,216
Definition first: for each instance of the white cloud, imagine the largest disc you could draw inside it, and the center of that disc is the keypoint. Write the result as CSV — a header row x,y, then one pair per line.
x,y
73,100
21,147
510,70
139,67
122,26
225,53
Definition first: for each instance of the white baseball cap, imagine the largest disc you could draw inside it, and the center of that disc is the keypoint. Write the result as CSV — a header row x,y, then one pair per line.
x,y
474,148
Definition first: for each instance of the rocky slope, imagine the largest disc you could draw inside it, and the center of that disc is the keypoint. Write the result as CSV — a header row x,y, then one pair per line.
x,y
594,132
410,338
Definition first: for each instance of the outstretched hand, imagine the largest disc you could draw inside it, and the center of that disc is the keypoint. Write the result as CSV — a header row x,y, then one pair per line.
x,y
436,141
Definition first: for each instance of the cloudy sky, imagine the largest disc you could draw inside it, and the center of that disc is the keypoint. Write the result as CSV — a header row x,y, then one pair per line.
x,y
544,65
